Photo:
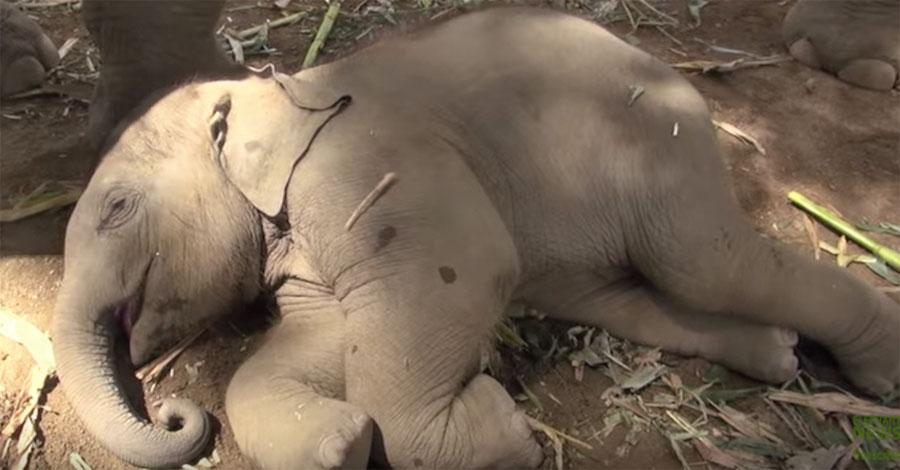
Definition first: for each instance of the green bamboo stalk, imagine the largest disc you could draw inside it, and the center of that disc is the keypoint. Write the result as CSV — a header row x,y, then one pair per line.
x,y
322,33
891,257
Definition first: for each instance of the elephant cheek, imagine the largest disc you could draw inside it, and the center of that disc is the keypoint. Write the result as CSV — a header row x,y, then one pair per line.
x,y
148,337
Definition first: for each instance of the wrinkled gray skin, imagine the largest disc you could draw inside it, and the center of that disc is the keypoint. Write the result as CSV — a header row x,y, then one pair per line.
x,y
514,181
26,53
857,40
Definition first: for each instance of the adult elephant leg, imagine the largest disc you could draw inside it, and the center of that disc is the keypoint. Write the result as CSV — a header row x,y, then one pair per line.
x,y
147,46
698,250
633,310
285,404
858,40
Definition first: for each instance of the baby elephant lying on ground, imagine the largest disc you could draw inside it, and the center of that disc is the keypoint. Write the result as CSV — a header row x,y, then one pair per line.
x,y
474,173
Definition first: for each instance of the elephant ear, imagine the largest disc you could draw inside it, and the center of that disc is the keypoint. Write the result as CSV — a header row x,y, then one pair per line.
x,y
259,142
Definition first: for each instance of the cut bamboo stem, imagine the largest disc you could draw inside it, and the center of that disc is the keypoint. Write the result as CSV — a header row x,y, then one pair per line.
x,y
891,257
321,34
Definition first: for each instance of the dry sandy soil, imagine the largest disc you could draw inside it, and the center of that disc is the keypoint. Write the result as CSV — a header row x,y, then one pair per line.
x,y
835,143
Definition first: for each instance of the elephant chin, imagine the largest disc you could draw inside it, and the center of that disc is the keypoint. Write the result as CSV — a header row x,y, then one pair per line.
x,y
85,331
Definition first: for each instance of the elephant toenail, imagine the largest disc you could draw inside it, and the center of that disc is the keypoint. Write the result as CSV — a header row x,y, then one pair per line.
x,y
332,450
360,418
788,337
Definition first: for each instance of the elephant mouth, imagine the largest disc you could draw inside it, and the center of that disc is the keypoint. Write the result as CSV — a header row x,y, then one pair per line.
x,y
127,314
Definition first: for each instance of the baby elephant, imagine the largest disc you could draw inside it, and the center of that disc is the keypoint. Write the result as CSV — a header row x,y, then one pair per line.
x,y
26,53
394,202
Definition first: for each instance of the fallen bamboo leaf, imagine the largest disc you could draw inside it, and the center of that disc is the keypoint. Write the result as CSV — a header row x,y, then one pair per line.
x,y
813,234
66,48
678,453
531,396
755,447
386,182
742,423
694,7
78,462
27,410
740,135
833,250
152,370
880,268
642,377
833,402
709,66
634,92
58,199
724,396
236,48
883,227
321,34
816,459
22,464
47,4
284,21
35,341
833,221
713,454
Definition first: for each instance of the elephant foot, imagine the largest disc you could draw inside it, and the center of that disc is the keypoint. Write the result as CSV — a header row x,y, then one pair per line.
x,y
506,439
299,429
853,39
765,353
869,352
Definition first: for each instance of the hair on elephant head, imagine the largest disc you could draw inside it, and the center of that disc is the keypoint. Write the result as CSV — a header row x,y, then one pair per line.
x,y
167,236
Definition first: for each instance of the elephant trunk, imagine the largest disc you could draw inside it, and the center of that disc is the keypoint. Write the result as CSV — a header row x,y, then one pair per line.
x,y
84,334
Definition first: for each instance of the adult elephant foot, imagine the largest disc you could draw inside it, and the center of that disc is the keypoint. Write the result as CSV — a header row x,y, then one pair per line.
x,y
26,53
148,46
857,40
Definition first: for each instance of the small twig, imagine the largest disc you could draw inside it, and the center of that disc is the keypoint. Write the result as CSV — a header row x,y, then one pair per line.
x,y
59,200
370,199
285,21
321,34
741,135
547,429
153,369
48,4
666,34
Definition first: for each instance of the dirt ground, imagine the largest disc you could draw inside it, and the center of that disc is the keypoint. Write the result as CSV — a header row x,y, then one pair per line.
x,y
835,143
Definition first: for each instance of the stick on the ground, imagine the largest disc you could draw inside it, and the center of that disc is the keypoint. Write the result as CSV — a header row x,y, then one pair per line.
x,y
891,257
35,206
370,199
834,402
151,370
321,34
285,21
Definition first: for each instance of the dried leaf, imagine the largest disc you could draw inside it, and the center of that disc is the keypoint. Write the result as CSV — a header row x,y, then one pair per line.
x,y
755,447
530,395
642,377
35,341
713,454
741,135
694,7
747,426
66,48
883,227
819,459
834,402
812,232
724,396
78,462
152,370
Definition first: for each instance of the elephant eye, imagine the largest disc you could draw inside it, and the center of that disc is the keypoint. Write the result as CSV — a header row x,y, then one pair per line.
x,y
119,206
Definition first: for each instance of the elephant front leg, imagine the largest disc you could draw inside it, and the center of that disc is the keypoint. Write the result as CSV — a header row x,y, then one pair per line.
x,y
285,403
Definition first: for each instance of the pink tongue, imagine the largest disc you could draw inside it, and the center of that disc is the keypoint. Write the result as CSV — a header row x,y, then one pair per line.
x,y
124,314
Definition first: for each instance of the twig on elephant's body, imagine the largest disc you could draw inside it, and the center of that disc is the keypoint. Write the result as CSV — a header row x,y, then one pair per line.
x,y
321,34
741,135
382,187
152,370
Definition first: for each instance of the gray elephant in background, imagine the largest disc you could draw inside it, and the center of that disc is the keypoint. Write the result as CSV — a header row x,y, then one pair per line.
x,y
394,202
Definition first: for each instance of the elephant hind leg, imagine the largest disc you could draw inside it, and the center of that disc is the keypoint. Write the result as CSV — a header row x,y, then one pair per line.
x,y
705,257
631,309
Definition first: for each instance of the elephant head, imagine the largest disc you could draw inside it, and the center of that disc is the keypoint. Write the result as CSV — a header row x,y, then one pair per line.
x,y
168,235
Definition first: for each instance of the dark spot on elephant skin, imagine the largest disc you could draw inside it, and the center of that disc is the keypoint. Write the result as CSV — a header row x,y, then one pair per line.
x,y
385,235
448,275
169,304
417,462
252,146
353,349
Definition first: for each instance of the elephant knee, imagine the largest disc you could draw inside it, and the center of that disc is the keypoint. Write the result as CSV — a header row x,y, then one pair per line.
x,y
21,75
